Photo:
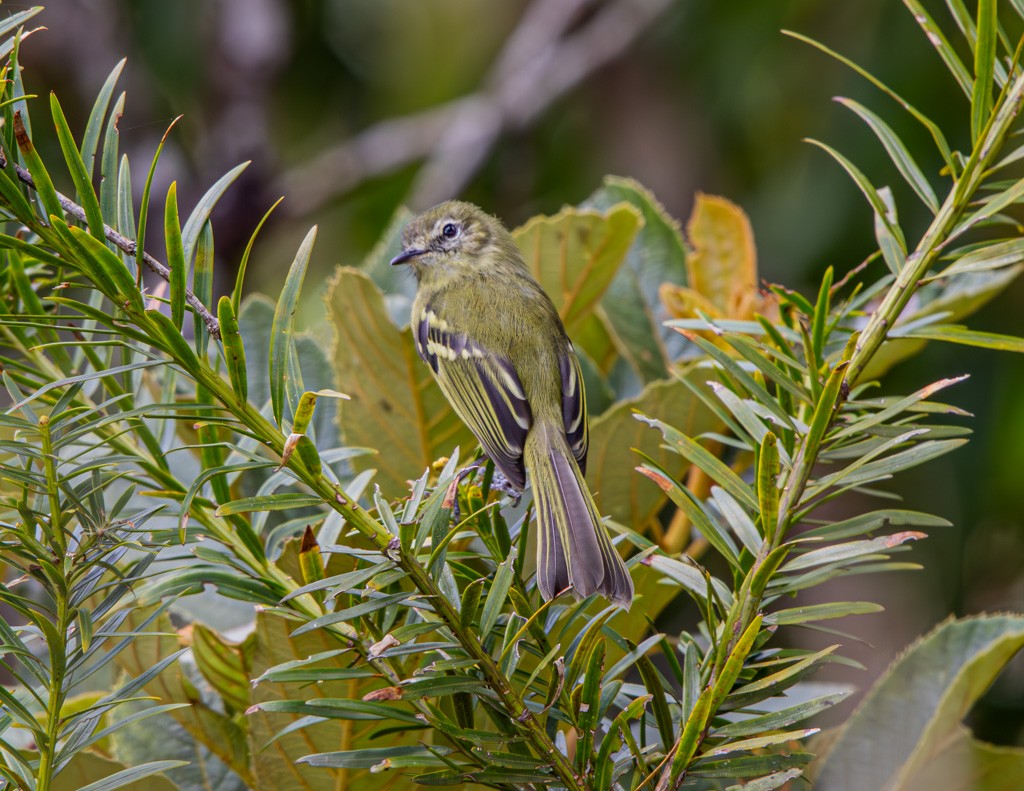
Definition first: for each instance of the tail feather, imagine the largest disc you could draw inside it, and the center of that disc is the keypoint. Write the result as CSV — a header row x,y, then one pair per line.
x,y
574,550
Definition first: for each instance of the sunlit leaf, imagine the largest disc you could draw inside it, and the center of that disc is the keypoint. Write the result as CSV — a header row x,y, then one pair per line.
x,y
576,254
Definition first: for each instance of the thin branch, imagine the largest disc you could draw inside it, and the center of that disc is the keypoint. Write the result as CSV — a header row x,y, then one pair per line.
x,y
122,243
542,60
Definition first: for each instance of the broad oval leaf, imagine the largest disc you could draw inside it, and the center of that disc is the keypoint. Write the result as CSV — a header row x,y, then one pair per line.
x,y
907,720
395,405
576,254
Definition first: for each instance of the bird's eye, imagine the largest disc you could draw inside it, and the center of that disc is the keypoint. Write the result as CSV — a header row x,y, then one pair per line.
x,y
450,231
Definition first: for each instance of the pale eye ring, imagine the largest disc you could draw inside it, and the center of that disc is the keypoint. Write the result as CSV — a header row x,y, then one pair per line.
x,y
450,231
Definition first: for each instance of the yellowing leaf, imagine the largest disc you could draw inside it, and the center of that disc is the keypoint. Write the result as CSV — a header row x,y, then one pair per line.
x,y
221,734
630,498
276,765
576,253
723,265
395,405
684,303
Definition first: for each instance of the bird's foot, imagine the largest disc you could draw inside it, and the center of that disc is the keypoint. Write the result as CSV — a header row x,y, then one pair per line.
x,y
499,483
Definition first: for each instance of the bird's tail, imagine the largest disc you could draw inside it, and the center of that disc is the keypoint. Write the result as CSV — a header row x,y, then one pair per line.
x,y
574,550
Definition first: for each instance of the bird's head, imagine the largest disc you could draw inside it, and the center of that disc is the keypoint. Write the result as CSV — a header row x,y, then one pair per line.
x,y
453,239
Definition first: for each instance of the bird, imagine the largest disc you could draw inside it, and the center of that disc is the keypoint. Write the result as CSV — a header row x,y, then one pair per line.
x,y
500,353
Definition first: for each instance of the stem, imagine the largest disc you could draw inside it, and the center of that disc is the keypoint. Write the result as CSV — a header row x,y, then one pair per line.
x,y
122,243
938,234
54,702
59,592
389,545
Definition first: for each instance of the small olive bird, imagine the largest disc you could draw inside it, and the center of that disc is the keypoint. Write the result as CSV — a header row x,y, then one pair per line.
x,y
499,351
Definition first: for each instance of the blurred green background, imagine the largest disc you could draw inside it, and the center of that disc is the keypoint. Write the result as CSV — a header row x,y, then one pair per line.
x,y
346,108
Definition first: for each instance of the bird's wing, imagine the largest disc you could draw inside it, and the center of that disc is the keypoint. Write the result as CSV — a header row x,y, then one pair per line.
x,y
574,405
484,390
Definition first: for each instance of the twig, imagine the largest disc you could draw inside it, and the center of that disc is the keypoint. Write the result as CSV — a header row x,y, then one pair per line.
x,y
542,60
122,243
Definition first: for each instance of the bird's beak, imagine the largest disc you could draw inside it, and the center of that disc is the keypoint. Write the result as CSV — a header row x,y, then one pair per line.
x,y
406,255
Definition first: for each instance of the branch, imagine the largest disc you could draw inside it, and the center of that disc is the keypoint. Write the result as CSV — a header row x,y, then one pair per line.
x,y
122,243
540,63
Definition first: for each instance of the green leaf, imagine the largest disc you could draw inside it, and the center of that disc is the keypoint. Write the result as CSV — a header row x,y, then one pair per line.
x,y
202,287
269,502
689,577
986,258
860,426
760,742
850,550
89,767
44,186
79,174
281,342
955,333
201,213
735,370
782,718
874,520
882,210
439,686
927,123
859,474
144,207
341,709
737,519
109,164
984,62
382,757
631,308
695,511
86,377
357,611
819,612
236,292
942,46
686,744
776,683
175,257
990,207
130,775
898,153
176,345
913,712
125,210
498,595
234,349
768,782
91,138
768,485
652,683
751,765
